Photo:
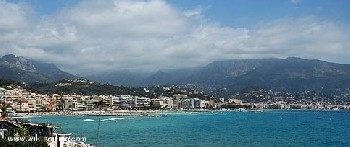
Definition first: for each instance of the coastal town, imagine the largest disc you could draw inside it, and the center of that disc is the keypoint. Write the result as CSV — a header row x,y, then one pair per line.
x,y
174,73
20,100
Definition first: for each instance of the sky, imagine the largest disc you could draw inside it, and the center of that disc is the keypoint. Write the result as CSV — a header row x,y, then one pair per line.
x,y
83,37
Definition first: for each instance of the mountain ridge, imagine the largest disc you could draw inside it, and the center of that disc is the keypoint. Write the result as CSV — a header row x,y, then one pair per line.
x,y
21,69
290,74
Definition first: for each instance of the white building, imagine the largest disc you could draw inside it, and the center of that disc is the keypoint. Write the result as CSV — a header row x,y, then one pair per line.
x,y
192,103
2,94
142,102
115,101
169,103
204,104
195,103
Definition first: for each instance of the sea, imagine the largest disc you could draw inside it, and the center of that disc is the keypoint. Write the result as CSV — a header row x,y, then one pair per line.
x,y
271,128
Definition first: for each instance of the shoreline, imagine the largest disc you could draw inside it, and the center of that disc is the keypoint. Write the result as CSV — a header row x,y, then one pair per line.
x,y
147,112
111,113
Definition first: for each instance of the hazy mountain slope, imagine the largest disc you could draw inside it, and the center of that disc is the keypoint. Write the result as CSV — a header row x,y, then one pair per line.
x,y
292,74
296,74
285,74
25,70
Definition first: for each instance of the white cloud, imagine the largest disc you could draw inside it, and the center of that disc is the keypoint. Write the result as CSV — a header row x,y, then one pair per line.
x,y
126,18
14,19
150,35
295,2
13,16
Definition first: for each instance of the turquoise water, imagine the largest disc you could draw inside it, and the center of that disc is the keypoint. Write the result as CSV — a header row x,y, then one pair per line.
x,y
271,128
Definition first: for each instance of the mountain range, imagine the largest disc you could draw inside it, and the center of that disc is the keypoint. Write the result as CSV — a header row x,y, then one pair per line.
x,y
290,74
30,71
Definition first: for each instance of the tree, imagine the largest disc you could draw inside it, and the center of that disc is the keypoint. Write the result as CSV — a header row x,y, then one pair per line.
x,y
4,112
62,103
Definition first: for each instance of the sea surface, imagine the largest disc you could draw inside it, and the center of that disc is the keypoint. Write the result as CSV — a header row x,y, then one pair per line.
x,y
231,129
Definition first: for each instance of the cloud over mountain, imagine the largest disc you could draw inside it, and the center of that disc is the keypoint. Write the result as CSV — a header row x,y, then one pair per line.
x,y
149,35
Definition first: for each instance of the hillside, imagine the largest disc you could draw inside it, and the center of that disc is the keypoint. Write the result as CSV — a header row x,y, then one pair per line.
x,y
30,71
291,74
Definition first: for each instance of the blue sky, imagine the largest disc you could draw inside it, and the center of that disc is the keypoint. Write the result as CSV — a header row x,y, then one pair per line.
x,y
48,7
242,13
86,36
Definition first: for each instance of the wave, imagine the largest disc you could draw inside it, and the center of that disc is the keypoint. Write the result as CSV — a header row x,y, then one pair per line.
x,y
118,118
112,119
89,120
